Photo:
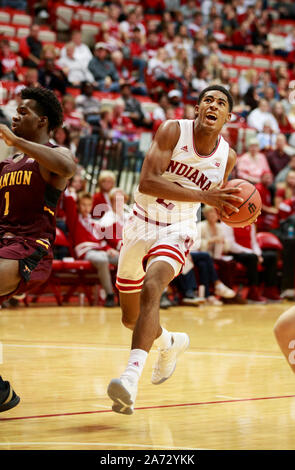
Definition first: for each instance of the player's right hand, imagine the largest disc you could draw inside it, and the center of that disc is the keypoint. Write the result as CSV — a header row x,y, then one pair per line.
x,y
222,199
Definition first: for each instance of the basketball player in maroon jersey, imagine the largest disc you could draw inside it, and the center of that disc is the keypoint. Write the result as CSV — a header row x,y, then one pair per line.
x,y
31,183
186,158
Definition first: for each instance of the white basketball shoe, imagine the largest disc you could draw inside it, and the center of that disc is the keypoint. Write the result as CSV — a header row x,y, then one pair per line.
x,y
123,392
166,362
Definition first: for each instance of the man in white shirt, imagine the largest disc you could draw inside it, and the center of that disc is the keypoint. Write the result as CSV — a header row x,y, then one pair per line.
x,y
82,52
75,70
259,116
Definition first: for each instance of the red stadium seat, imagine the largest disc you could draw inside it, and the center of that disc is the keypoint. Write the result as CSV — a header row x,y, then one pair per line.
x,y
268,241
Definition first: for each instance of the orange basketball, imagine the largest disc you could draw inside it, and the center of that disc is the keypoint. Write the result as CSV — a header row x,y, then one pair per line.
x,y
249,209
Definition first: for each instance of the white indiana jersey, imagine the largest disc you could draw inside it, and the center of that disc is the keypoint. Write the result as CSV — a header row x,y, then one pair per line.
x,y
191,171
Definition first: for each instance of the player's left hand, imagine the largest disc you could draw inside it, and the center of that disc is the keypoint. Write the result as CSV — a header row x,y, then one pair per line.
x,y
7,135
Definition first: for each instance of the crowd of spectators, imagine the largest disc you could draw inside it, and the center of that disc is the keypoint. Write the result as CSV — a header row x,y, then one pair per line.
x,y
168,51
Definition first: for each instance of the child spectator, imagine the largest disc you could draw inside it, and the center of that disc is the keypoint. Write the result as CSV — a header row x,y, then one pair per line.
x,y
89,242
106,182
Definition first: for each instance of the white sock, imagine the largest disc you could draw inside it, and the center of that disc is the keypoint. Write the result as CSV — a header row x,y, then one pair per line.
x,y
135,364
164,341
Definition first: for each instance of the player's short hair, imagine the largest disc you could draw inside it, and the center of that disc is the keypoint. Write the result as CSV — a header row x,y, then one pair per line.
x,y
218,88
47,105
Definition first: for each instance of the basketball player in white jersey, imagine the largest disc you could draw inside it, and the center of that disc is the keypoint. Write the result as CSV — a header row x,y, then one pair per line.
x,y
186,165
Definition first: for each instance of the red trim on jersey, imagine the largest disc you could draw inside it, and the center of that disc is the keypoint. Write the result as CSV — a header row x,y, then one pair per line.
x,y
163,253
129,281
148,220
204,156
167,247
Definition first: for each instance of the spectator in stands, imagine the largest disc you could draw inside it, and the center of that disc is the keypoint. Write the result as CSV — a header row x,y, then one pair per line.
x,y
260,115
282,119
286,234
175,100
208,277
61,136
74,120
87,104
242,38
268,219
189,112
277,158
245,250
106,182
133,108
105,129
153,7
195,22
52,77
119,214
9,63
189,10
201,81
103,70
127,27
282,175
160,67
31,78
112,25
252,164
247,85
9,109
214,66
267,138
240,108
89,242
285,190
159,113
76,186
152,45
180,63
30,48
82,52
122,125
75,70
138,86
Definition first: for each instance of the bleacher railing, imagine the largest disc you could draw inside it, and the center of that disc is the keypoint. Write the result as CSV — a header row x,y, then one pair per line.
x,y
124,158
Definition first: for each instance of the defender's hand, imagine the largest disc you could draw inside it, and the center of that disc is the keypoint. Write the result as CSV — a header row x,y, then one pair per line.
x,y
7,135
222,199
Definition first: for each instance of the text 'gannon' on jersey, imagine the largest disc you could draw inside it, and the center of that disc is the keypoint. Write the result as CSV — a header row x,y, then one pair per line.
x,y
188,169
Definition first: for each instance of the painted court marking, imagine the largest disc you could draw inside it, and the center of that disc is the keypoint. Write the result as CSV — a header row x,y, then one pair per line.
x,y
106,349
177,405
96,444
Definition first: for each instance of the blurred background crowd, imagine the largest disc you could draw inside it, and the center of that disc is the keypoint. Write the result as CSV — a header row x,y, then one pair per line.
x,y
121,68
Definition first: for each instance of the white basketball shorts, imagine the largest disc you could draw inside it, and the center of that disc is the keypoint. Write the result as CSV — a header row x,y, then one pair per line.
x,y
143,240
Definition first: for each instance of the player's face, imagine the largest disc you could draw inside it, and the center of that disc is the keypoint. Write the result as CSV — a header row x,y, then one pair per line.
x,y
213,111
26,122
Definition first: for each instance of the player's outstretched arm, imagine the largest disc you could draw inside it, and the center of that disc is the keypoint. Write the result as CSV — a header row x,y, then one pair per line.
x,y
57,160
157,161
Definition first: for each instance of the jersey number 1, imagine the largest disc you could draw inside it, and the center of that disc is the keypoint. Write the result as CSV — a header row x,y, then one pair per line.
x,y
6,195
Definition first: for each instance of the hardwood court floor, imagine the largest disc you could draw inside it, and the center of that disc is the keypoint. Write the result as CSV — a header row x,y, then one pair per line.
x,y
231,390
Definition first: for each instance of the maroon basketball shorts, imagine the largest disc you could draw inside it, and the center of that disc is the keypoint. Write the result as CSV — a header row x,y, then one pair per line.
x,y
35,262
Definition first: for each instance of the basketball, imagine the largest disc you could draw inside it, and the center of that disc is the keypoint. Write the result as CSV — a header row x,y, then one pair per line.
x,y
249,209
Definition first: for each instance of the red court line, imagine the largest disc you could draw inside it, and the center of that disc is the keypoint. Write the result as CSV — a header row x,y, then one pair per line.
x,y
217,402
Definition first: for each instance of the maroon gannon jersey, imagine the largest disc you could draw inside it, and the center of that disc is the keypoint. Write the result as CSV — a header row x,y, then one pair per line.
x,y
27,202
